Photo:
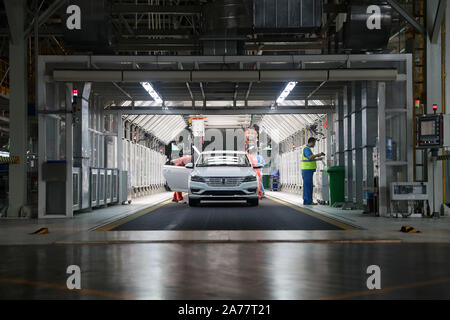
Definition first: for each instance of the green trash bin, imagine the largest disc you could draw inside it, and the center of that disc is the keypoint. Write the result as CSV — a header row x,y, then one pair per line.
x,y
337,184
266,181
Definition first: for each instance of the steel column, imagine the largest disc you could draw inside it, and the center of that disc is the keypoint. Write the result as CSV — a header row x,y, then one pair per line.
x,y
356,119
18,106
434,91
339,158
348,152
369,131
69,154
382,184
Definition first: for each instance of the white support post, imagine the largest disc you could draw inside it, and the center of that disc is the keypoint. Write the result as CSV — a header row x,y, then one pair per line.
x,y
434,94
69,151
119,154
42,137
382,182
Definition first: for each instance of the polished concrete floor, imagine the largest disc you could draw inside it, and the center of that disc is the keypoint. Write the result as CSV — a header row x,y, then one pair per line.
x,y
79,229
226,271
326,263
230,215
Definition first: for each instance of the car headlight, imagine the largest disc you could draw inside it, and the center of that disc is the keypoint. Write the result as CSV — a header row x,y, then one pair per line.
x,y
197,179
249,179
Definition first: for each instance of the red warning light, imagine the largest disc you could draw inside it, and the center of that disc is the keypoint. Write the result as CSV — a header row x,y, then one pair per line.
x,y
417,103
75,92
435,106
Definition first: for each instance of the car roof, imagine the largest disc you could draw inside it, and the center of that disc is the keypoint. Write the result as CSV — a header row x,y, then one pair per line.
x,y
224,151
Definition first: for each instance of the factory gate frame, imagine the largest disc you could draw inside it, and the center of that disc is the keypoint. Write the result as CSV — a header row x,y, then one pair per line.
x,y
390,73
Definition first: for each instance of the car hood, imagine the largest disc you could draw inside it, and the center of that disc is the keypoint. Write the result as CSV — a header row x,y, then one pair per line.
x,y
223,171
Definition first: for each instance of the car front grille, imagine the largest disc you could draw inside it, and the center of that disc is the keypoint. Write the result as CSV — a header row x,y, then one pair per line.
x,y
224,181
223,193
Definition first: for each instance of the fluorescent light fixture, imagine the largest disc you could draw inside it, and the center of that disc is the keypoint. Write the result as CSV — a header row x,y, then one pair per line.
x,y
289,87
148,87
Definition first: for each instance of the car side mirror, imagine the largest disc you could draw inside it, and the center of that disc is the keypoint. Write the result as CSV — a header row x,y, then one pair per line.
x,y
190,165
258,166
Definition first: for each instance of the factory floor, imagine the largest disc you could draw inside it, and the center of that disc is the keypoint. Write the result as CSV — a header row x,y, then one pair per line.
x,y
296,223
226,271
165,252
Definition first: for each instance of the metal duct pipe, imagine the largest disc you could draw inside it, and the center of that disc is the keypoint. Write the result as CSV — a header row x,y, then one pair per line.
x,y
211,76
293,75
225,16
222,18
150,76
227,75
362,75
87,75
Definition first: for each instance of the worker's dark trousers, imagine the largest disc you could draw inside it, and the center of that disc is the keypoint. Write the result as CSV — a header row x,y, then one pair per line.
x,y
307,186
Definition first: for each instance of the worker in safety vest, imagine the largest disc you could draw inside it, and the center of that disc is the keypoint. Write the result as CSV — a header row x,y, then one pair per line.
x,y
309,166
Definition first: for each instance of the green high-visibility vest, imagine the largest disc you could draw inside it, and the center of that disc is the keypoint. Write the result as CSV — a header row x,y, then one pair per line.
x,y
306,163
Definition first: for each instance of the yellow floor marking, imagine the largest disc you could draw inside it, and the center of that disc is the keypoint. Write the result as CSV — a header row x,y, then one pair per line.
x,y
105,294
133,216
388,289
315,215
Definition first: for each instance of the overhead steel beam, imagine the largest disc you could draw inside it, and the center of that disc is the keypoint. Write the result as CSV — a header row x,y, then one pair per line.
x,y
247,94
284,46
442,7
144,8
226,75
160,42
315,90
287,60
47,31
405,14
57,30
180,66
54,6
145,48
226,110
334,8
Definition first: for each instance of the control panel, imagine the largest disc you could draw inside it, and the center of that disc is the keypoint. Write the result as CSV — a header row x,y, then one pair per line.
x,y
401,191
433,131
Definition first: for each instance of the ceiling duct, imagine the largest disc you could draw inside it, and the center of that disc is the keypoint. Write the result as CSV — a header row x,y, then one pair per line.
x,y
221,20
94,32
303,15
227,75
357,35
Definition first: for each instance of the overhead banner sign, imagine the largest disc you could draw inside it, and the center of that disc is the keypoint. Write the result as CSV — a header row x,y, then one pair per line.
x,y
198,127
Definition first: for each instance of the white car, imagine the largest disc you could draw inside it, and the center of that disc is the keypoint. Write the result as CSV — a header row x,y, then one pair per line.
x,y
217,175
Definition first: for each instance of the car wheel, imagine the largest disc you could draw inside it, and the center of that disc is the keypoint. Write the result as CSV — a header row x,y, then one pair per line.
x,y
253,202
193,202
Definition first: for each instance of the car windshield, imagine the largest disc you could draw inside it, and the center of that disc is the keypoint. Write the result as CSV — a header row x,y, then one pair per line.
x,y
223,160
